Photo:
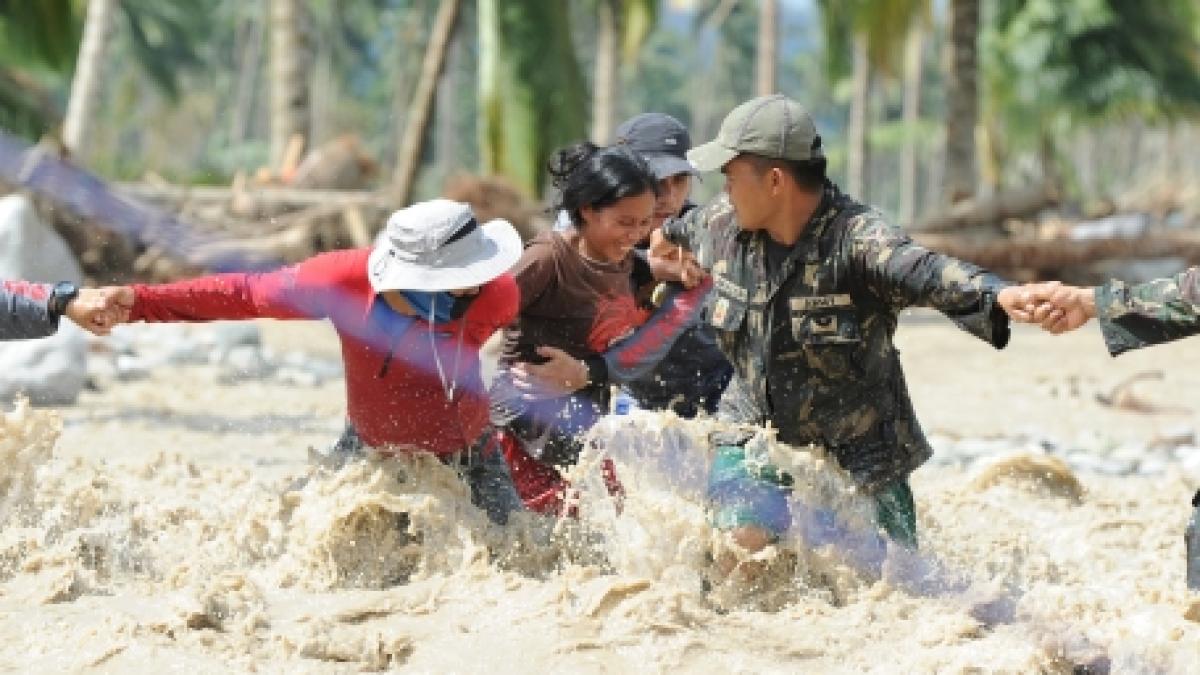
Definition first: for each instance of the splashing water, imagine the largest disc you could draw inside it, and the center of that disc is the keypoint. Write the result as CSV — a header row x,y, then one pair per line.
x,y
156,562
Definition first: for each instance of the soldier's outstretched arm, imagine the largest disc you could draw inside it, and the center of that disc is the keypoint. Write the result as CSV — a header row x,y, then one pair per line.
x,y
901,273
1157,311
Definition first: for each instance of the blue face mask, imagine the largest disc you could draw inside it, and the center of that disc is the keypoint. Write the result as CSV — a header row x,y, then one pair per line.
x,y
441,302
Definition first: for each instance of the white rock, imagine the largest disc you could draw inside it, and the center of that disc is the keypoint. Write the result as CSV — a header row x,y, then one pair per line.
x,y
1152,466
1086,462
1190,465
230,335
245,362
54,369
1184,452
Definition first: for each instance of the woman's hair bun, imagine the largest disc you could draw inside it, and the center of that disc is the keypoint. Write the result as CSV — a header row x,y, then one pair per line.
x,y
566,160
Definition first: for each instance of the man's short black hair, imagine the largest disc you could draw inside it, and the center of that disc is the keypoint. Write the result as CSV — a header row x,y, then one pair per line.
x,y
808,174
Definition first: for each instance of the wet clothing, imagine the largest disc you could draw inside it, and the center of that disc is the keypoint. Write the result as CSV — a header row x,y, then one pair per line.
x,y
582,307
481,466
24,314
1158,311
578,305
674,363
691,377
749,491
811,342
689,380
394,393
896,513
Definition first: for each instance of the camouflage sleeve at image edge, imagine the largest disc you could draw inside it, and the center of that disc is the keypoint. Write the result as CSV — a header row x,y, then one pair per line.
x,y
1158,311
902,273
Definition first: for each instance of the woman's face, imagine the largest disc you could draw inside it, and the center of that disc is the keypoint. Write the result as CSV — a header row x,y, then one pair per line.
x,y
610,233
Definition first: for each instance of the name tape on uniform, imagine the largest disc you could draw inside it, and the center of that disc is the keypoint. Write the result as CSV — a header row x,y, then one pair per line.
x,y
820,302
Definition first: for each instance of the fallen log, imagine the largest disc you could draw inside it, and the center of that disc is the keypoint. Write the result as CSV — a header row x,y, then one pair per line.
x,y
1057,254
278,248
266,196
976,212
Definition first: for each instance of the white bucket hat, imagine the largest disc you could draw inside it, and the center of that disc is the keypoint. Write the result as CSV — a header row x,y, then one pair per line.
x,y
439,246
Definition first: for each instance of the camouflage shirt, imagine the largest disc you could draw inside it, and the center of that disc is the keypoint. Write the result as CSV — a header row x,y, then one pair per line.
x,y
811,341
1157,311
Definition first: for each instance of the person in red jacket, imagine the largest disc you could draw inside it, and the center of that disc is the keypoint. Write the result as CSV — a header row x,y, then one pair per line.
x,y
411,314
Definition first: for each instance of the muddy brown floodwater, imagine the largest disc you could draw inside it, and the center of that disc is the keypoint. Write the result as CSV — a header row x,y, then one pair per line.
x,y
173,523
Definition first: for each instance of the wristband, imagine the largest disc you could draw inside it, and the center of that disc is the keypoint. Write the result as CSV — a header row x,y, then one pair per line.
x,y
61,295
597,370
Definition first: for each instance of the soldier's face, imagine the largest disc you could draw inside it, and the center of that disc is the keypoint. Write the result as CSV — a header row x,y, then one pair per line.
x,y
749,193
610,233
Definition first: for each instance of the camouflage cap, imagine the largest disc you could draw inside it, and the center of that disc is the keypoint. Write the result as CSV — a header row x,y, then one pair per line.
x,y
770,126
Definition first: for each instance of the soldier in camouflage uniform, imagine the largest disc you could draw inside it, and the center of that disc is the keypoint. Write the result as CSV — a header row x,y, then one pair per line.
x,y
1130,317
808,286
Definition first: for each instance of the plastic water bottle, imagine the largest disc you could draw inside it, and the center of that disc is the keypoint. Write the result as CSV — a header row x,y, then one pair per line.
x,y
1191,542
623,403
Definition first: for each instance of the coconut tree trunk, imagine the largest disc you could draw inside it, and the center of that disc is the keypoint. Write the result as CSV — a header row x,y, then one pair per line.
x,y
290,58
962,99
532,94
766,81
856,156
412,141
86,85
323,94
604,84
249,72
448,143
913,48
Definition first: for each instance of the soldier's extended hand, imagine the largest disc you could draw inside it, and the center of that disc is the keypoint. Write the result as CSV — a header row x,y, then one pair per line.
x,y
560,375
1056,307
99,309
1023,306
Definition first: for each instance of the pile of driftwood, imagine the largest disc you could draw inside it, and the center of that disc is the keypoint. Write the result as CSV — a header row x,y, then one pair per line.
x,y
322,203
330,199
1021,235
1026,234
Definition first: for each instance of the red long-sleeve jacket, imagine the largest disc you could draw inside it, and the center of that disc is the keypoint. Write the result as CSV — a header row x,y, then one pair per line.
x,y
394,395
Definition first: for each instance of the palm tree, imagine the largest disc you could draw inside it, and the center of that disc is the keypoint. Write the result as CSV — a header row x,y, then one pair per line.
x,y
962,99
621,30
41,45
869,27
1052,69
85,87
911,111
532,95
856,129
290,57
38,48
604,80
765,78
412,141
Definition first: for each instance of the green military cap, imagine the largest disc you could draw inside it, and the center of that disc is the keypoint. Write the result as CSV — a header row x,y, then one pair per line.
x,y
770,126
